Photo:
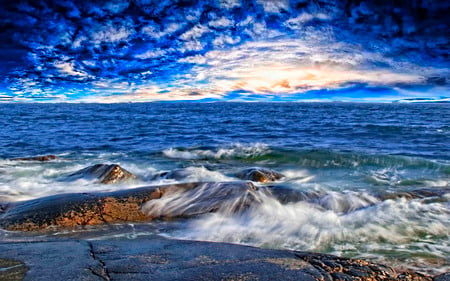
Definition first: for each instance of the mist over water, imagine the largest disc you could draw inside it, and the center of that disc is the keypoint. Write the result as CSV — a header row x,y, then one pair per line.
x,y
346,162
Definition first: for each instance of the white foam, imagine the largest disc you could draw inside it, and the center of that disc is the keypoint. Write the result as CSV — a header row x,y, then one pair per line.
x,y
234,150
29,180
306,226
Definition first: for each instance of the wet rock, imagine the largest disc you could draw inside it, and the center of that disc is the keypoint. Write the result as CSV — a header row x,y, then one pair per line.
x,y
228,197
177,174
104,173
12,270
417,194
157,258
41,261
442,277
79,209
43,158
3,207
289,195
259,175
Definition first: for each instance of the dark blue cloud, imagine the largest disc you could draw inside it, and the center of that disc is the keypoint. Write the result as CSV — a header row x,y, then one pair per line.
x,y
75,50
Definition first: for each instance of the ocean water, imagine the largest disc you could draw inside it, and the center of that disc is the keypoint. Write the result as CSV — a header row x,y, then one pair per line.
x,y
346,157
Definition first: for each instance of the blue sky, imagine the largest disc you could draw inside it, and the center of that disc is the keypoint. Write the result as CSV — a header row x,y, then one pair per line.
x,y
224,50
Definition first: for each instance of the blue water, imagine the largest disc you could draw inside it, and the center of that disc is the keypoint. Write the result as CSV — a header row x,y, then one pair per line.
x,y
407,129
352,155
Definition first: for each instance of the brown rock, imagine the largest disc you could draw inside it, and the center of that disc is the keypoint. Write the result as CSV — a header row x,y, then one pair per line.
x,y
79,209
43,158
259,175
106,174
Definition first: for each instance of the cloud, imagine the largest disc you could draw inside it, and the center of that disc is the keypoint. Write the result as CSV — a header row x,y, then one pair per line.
x,y
221,22
229,4
111,33
261,50
299,21
274,6
68,68
294,66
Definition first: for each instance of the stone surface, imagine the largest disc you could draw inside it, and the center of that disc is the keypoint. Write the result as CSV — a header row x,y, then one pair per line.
x,y
418,193
79,209
104,173
68,260
37,158
259,175
12,270
442,277
157,258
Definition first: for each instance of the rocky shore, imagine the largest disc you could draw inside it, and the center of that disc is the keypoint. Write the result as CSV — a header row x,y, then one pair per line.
x,y
157,258
154,257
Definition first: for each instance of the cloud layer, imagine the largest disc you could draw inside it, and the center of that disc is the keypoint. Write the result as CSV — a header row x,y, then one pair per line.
x,y
144,50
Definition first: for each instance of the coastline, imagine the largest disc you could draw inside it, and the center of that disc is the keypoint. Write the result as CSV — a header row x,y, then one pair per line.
x,y
157,258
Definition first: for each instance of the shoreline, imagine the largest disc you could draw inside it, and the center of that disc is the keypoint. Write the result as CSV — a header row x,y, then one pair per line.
x,y
160,258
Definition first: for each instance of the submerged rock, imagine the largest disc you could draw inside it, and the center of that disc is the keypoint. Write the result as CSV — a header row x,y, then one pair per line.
x,y
435,192
43,158
170,201
104,173
259,175
177,174
286,194
3,207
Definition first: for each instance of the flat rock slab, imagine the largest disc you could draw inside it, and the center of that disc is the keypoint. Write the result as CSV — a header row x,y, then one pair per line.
x,y
68,260
157,258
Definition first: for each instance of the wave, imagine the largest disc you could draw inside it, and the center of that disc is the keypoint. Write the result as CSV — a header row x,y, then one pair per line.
x,y
307,158
365,229
228,152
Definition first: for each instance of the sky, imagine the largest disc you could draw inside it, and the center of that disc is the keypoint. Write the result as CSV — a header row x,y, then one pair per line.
x,y
224,50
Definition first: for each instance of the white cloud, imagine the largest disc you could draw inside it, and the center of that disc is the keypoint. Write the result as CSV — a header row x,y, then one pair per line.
x,y
300,20
112,33
224,40
248,20
194,33
293,66
194,45
68,68
151,54
229,4
222,22
274,6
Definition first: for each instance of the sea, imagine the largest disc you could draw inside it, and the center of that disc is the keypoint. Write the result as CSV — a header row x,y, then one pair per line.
x,y
357,156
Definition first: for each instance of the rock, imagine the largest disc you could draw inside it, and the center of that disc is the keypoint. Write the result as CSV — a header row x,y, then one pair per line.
x,y
228,197
3,207
259,175
12,270
158,258
442,277
177,174
104,173
43,158
417,194
67,260
288,195
79,209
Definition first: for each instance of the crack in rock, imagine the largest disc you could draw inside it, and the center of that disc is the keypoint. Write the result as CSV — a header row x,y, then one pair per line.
x,y
104,272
